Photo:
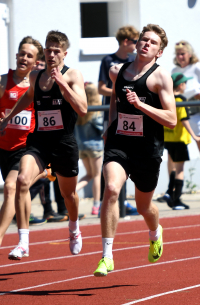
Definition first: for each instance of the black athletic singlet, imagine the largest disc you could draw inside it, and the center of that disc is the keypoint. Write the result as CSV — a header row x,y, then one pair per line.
x,y
146,140
55,118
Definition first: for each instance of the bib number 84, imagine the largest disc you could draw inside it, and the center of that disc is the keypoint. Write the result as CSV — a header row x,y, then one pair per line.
x,y
126,126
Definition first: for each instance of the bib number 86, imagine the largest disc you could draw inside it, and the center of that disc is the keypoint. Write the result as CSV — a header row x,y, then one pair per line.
x,y
49,121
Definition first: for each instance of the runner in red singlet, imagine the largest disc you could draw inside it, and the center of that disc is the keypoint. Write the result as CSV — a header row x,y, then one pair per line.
x,y
12,144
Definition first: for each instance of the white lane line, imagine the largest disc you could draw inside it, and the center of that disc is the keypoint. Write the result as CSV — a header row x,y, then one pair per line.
x,y
90,275
97,236
97,252
162,294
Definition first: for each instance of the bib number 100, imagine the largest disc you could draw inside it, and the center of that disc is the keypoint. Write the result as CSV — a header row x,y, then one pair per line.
x,y
18,120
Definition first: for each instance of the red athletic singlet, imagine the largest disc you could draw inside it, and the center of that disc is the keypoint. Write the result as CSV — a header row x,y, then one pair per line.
x,y
20,125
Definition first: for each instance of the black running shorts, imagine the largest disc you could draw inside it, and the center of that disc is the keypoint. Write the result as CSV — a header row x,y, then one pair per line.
x,y
62,155
178,151
9,160
144,172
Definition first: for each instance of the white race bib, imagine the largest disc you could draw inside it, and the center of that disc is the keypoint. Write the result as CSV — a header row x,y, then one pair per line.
x,y
50,120
21,121
130,125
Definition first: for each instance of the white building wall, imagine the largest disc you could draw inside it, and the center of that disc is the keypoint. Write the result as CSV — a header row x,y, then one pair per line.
x,y
4,20
37,17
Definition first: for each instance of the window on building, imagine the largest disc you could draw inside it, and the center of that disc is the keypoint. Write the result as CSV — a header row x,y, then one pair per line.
x,y
101,19
94,20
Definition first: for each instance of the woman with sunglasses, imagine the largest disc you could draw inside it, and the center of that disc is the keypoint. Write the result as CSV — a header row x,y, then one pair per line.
x,y
188,64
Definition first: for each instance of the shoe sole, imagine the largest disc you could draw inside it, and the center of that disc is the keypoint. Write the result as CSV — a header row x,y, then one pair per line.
x,y
65,218
37,223
180,208
101,274
80,216
14,258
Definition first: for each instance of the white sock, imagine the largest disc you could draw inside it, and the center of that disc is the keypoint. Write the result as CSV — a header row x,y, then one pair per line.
x,y
74,226
24,236
107,244
154,235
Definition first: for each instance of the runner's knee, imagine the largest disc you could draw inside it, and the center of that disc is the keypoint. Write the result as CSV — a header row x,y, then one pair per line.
x,y
9,188
71,197
112,191
23,182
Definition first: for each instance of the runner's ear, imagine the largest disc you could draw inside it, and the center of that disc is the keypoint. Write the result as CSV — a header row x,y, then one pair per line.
x,y
159,54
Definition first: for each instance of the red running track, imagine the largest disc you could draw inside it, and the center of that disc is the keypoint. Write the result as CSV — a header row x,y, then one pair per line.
x,y
51,275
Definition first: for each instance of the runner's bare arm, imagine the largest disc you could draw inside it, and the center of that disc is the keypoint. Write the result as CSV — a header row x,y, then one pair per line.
x,y
72,88
187,126
164,88
113,72
25,100
103,89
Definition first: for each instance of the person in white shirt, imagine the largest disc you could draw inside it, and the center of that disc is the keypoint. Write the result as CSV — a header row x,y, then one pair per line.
x,y
187,63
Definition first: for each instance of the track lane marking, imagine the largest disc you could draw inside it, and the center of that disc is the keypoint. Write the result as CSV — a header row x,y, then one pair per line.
x,y
162,294
115,271
96,236
96,252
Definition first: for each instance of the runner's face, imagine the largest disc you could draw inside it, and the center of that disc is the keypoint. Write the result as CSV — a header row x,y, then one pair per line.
x,y
149,45
26,58
183,57
54,54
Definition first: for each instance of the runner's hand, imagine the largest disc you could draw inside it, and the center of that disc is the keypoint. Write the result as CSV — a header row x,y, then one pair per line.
x,y
57,75
132,98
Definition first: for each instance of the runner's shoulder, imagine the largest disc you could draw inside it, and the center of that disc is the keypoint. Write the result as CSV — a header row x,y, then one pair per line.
x,y
73,75
162,76
114,70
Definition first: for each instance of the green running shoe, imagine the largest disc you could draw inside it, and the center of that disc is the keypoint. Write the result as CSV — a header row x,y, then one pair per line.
x,y
104,266
156,248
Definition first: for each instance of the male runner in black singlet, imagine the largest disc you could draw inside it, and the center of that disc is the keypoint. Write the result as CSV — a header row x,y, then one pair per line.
x,y
141,103
59,96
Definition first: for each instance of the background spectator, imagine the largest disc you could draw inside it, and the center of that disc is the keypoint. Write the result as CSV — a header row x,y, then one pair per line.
x,y
88,133
176,141
188,64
